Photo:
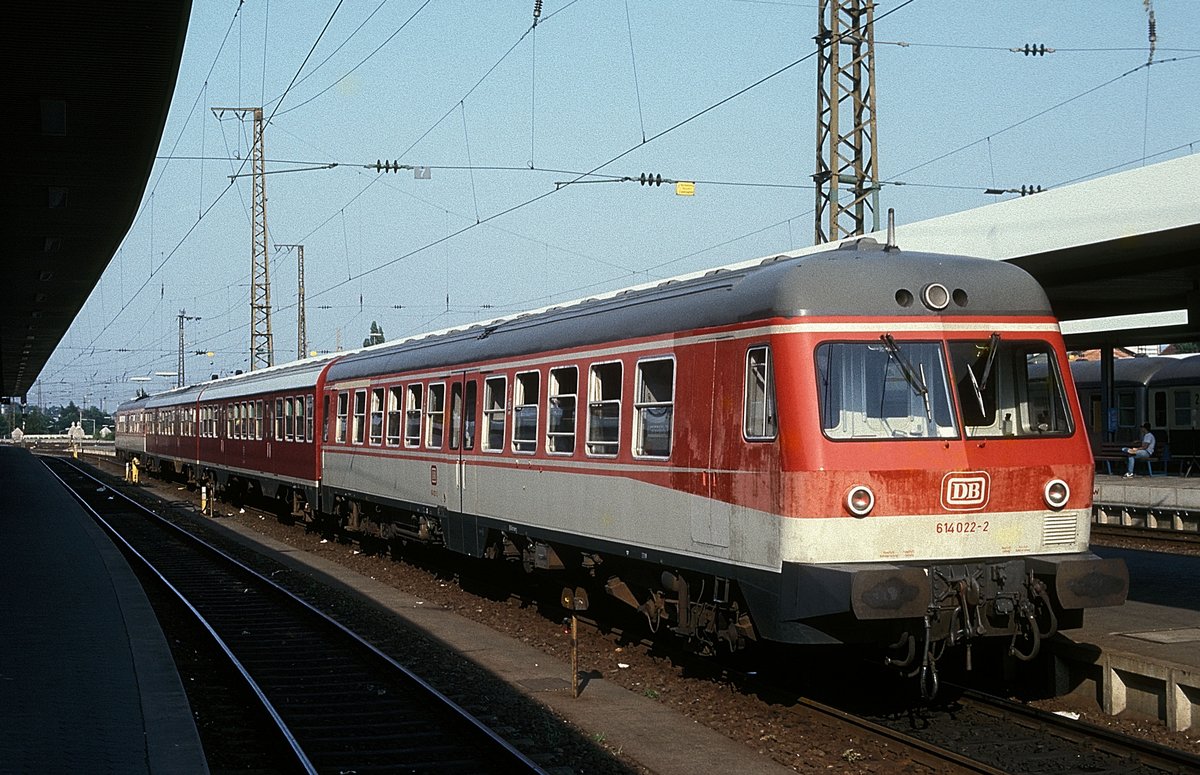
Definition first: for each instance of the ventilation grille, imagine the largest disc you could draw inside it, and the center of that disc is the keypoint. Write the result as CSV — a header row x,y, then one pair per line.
x,y
1060,530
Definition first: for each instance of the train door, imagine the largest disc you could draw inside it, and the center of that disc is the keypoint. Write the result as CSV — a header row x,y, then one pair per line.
x,y
462,531
709,516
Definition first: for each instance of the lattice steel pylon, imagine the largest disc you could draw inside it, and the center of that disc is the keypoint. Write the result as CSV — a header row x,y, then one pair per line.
x,y
301,326
262,350
180,370
846,158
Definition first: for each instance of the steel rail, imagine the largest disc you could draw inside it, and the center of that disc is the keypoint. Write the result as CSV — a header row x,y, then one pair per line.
x,y
502,745
302,759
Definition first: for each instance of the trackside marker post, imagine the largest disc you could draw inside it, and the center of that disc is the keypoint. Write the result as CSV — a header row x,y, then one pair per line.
x,y
574,600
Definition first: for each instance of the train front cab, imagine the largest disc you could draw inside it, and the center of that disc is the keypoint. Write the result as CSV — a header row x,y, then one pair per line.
x,y
940,490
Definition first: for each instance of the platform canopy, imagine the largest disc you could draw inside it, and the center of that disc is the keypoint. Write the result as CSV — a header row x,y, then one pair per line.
x,y
85,90
1119,256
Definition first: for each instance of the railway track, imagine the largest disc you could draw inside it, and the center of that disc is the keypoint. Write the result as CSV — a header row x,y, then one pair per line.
x,y
336,703
1166,538
1015,738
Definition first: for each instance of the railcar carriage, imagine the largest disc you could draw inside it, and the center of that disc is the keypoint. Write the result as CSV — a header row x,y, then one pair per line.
x,y
250,435
1174,407
157,429
859,446
257,434
1131,377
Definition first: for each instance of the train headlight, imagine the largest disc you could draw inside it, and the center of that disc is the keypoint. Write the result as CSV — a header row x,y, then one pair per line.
x,y
935,296
1057,493
860,500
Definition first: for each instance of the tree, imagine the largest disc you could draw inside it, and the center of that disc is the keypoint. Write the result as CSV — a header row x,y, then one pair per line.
x,y
376,336
35,421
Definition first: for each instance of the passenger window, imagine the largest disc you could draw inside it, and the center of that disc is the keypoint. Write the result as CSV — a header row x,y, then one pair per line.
x,y
359,429
604,409
395,415
258,420
493,413
289,418
308,418
526,388
563,391
343,411
376,434
435,416
654,407
760,423
412,423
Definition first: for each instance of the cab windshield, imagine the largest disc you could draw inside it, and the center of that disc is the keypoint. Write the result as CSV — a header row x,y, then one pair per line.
x,y
883,390
1009,388
897,389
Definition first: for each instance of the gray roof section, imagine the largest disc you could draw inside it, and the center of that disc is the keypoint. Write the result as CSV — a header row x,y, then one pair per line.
x,y
849,281
1178,371
297,375
1127,372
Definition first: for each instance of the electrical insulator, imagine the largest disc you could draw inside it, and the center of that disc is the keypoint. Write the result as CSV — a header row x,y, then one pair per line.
x,y
650,179
1036,49
537,10
1030,190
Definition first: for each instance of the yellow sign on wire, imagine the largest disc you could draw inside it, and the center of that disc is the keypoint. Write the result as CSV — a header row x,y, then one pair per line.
x,y
685,188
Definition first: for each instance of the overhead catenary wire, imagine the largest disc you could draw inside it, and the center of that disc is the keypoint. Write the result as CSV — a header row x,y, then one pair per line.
x,y
156,269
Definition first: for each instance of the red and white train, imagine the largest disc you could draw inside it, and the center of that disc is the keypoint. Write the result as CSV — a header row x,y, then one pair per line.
x,y
858,446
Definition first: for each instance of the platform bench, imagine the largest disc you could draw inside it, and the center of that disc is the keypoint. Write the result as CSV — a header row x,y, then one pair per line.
x,y
1109,452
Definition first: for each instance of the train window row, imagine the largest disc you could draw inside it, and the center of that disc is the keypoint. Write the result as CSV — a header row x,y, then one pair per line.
x,y
294,418
243,420
515,408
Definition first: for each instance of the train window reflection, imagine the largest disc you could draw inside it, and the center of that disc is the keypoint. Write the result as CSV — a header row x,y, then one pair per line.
x,y
412,421
654,407
435,414
604,409
376,434
760,421
343,408
1009,388
359,421
564,387
493,413
394,415
884,390
526,388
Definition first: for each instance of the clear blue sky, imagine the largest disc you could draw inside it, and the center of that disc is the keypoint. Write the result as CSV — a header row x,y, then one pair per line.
x,y
487,235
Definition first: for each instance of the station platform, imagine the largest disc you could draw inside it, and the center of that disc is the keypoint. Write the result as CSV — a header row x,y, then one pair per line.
x,y
1138,658
87,682
1164,501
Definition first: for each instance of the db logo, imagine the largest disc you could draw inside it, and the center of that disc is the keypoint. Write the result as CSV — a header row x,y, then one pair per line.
x,y
965,490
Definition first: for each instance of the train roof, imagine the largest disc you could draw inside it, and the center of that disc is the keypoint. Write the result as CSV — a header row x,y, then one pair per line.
x,y
1127,372
1178,371
296,375
859,279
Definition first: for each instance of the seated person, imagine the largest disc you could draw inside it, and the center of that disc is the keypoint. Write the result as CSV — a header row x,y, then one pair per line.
x,y
1140,451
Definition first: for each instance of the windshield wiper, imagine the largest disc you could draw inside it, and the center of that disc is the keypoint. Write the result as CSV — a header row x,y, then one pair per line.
x,y
980,385
993,341
914,379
